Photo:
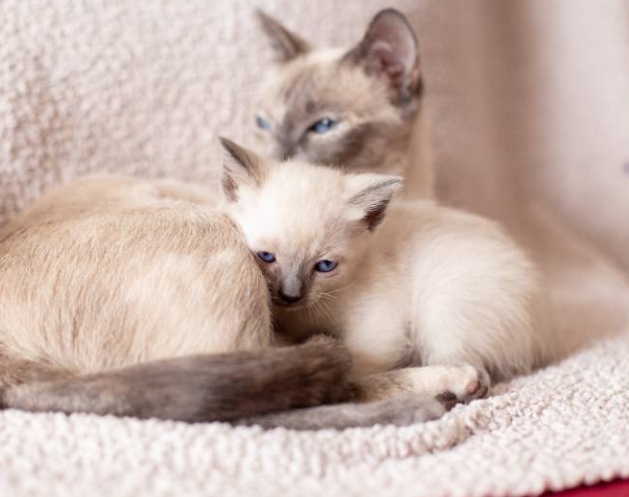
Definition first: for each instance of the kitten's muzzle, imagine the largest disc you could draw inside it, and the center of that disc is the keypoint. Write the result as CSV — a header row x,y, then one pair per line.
x,y
289,299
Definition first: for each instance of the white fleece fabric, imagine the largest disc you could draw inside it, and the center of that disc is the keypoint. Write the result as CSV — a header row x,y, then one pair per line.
x,y
562,426
531,127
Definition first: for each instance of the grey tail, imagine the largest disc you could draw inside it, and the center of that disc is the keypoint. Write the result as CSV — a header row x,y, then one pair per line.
x,y
397,411
222,387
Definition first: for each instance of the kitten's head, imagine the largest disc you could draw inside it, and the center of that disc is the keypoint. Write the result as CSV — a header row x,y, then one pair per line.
x,y
308,226
341,107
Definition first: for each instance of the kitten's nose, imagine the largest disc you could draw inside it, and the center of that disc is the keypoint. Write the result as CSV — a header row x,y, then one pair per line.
x,y
285,155
289,299
291,288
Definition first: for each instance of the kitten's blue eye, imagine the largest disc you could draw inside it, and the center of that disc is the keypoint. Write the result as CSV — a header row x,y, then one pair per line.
x,y
267,257
263,123
323,126
326,266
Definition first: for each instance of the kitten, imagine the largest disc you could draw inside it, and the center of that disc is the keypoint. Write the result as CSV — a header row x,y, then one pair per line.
x,y
422,285
359,108
136,298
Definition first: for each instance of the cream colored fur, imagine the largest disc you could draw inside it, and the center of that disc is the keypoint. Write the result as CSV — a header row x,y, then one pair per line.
x,y
113,271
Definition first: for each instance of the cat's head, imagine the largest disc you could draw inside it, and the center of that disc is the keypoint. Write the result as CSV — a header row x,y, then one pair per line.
x,y
308,226
347,107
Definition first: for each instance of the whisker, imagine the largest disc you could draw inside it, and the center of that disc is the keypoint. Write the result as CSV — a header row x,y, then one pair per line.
x,y
340,289
327,311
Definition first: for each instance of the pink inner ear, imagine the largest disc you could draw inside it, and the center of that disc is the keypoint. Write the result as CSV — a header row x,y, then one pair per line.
x,y
382,59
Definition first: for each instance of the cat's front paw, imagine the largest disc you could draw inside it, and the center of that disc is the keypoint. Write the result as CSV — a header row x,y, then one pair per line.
x,y
464,383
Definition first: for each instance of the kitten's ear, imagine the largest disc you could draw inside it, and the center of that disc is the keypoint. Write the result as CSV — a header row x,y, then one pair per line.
x,y
241,167
286,45
389,49
369,196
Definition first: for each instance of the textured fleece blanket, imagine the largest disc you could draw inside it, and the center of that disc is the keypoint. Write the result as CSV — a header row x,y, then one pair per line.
x,y
531,113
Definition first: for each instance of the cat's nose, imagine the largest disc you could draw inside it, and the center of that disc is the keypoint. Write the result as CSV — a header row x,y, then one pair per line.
x,y
284,152
289,299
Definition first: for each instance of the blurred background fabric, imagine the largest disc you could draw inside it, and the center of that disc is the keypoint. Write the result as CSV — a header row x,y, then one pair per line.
x,y
529,101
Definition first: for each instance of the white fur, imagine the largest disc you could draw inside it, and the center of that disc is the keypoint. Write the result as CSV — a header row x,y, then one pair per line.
x,y
429,286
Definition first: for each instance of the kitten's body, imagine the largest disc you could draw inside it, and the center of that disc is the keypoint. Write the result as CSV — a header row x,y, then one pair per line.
x,y
372,93
427,286
436,286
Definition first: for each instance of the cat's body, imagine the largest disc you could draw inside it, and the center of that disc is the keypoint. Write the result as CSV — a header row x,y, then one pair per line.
x,y
422,285
112,255
360,108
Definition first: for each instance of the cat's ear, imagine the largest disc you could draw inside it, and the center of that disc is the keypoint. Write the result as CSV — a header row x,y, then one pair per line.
x,y
286,44
369,195
389,49
241,168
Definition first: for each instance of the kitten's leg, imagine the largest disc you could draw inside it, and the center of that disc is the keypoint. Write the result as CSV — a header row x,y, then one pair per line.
x,y
400,411
376,355
461,383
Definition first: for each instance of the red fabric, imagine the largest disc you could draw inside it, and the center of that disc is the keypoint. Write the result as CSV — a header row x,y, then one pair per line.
x,y
613,489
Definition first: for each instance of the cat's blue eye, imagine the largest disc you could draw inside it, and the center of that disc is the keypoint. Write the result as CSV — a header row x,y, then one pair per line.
x,y
267,257
326,266
263,123
323,126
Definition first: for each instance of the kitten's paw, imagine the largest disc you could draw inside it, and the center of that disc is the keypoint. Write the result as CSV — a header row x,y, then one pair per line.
x,y
464,383
447,399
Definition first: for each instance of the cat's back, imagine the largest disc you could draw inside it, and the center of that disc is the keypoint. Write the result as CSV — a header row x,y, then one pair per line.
x,y
112,270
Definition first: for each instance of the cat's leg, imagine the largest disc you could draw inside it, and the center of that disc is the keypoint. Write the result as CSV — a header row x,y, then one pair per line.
x,y
400,411
457,383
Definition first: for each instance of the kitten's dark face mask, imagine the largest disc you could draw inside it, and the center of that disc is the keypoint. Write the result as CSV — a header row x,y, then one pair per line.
x,y
348,108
